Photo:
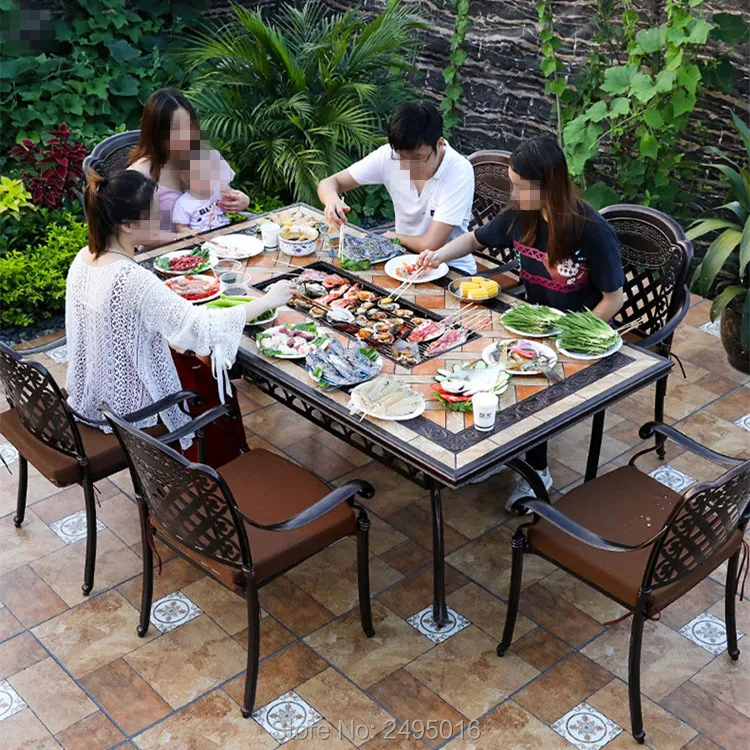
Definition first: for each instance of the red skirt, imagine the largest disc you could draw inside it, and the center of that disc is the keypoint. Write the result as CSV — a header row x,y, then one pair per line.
x,y
225,437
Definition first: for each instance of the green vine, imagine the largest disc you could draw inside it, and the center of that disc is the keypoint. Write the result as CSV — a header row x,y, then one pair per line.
x,y
452,74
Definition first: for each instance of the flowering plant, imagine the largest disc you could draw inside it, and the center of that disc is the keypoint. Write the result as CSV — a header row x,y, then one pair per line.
x,y
52,171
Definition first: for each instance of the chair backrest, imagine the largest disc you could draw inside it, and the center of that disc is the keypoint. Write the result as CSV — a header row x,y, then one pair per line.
x,y
39,403
190,502
111,155
699,527
492,191
656,257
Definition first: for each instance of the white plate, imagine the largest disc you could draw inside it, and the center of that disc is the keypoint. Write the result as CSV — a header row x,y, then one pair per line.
x,y
399,260
360,410
525,335
548,351
203,299
287,356
235,246
212,260
589,357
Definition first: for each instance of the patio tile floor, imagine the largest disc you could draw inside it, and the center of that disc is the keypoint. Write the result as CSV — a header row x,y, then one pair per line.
x,y
73,673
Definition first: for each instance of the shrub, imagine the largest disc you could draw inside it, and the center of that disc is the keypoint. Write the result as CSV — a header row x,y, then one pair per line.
x,y
294,101
52,170
32,283
94,66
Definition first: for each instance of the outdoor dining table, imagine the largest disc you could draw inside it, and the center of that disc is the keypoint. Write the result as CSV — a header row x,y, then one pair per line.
x,y
439,449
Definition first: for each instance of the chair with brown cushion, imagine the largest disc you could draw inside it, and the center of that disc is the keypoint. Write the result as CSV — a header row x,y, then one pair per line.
x,y
245,526
47,433
656,257
492,194
639,542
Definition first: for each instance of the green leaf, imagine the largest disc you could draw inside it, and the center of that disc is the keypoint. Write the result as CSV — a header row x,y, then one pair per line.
x,y
617,79
744,131
720,75
689,77
716,255
123,86
673,58
651,40
600,195
649,146
548,66
619,106
642,87
652,118
699,29
682,102
555,87
737,183
597,112
722,300
665,80
729,28
703,226
123,52
745,248
745,328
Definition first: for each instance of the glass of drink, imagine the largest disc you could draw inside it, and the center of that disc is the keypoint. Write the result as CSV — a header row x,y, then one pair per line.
x,y
485,410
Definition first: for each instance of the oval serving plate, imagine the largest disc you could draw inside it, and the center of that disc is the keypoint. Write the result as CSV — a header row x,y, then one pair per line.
x,y
207,265
235,246
489,355
590,357
432,275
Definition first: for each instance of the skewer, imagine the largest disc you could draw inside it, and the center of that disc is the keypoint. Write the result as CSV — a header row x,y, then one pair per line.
x,y
622,330
461,312
341,241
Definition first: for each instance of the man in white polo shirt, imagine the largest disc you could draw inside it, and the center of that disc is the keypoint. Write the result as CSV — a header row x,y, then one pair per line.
x,y
430,184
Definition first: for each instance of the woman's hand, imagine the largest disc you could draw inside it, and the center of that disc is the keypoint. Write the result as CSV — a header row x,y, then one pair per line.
x,y
428,259
336,211
279,294
234,201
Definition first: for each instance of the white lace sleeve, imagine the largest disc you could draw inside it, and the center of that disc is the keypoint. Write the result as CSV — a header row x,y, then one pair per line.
x,y
206,331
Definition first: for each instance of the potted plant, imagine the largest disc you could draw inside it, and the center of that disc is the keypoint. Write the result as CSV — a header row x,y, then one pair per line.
x,y
724,272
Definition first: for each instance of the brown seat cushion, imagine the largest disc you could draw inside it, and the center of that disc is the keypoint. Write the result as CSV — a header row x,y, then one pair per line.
x,y
270,489
626,506
103,451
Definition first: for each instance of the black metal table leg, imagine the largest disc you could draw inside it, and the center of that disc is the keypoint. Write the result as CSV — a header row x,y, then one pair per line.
x,y
439,609
595,446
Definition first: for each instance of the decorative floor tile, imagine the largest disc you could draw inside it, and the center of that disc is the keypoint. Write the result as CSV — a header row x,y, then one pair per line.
x,y
285,717
713,328
9,453
172,611
424,623
10,701
60,354
743,422
73,528
673,478
709,632
586,728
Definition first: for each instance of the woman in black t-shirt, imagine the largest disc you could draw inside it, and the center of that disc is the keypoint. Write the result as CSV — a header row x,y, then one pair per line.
x,y
568,253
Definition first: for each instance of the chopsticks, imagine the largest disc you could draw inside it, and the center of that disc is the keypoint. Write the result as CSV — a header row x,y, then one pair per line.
x,y
401,290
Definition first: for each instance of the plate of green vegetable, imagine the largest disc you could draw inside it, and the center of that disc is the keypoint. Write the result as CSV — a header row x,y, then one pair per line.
x,y
534,321
586,336
225,301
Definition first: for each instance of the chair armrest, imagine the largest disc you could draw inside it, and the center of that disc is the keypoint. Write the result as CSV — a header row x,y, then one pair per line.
x,y
319,509
581,533
196,424
670,326
157,406
44,348
511,266
650,428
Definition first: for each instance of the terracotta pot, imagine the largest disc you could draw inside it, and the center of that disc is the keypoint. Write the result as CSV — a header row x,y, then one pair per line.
x,y
731,322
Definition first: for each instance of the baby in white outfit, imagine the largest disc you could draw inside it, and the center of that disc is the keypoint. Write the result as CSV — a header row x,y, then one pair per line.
x,y
198,209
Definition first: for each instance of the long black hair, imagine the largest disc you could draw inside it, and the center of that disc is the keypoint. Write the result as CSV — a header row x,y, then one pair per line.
x,y
541,160
126,196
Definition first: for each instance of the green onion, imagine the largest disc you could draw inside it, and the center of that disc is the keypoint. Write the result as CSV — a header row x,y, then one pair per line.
x,y
586,333
532,318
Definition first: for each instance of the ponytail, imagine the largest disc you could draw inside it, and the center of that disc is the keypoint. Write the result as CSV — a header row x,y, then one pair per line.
x,y
110,201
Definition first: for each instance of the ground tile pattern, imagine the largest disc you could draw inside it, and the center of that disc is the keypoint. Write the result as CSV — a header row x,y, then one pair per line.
x,y
74,673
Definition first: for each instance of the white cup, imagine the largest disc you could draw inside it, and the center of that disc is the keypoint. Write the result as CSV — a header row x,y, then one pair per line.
x,y
270,234
485,410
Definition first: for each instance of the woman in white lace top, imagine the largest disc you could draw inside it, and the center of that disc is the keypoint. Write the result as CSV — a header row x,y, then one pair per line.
x,y
120,318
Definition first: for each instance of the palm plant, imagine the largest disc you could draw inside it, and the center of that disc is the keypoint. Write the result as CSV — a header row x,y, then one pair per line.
x,y
294,100
725,268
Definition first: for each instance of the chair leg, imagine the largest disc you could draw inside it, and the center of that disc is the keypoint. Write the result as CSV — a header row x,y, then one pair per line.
x,y
147,587
514,596
634,674
253,647
661,394
23,485
90,501
730,616
363,572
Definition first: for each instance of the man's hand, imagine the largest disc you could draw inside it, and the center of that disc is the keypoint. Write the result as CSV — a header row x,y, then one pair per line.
x,y
335,212
428,259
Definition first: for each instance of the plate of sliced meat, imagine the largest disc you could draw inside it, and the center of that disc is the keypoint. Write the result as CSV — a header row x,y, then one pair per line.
x,y
429,330
452,337
195,289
